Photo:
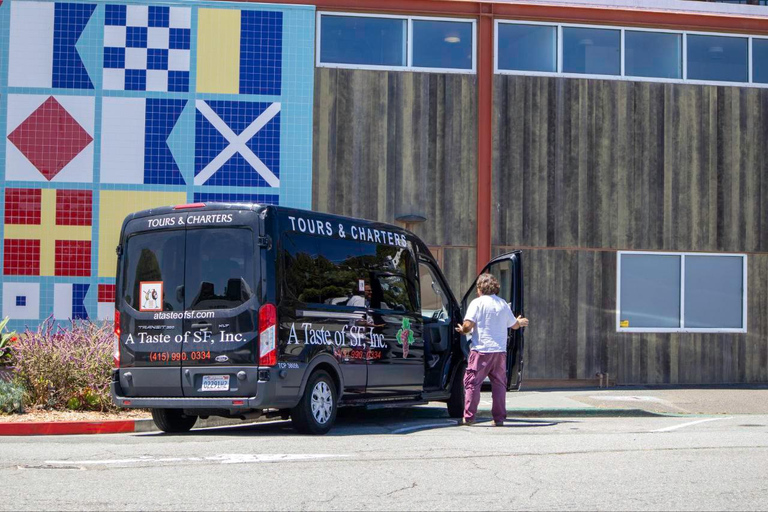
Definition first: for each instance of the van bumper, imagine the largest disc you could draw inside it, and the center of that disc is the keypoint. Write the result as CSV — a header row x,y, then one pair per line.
x,y
265,398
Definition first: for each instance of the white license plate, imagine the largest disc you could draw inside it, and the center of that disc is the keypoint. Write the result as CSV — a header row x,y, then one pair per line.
x,y
215,383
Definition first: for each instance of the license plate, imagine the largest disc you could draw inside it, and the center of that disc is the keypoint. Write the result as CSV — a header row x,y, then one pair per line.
x,y
215,383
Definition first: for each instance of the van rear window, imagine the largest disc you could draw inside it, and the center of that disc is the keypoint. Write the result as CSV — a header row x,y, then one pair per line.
x,y
348,273
153,257
220,268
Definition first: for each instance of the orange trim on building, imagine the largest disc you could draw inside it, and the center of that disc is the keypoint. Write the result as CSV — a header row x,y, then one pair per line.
x,y
484,133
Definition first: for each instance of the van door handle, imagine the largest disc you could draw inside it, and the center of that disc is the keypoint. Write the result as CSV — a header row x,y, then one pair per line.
x,y
203,325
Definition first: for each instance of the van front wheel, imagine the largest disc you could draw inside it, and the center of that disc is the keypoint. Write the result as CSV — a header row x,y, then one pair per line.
x,y
316,411
173,421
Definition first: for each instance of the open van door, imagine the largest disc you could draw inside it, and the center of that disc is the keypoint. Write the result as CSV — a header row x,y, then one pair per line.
x,y
508,269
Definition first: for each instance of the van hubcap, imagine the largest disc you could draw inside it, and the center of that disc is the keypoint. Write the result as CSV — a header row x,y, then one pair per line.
x,y
322,402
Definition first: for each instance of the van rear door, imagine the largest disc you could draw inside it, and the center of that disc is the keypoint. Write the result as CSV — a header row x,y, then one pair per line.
x,y
508,269
151,306
221,308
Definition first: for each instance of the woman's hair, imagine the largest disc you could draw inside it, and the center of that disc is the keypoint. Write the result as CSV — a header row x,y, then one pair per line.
x,y
487,284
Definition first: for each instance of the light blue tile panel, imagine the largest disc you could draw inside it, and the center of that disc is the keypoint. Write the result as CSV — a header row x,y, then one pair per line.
x,y
126,72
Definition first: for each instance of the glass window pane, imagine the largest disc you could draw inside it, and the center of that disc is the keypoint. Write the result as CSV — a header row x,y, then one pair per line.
x,y
650,291
760,61
358,40
155,257
434,301
653,54
220,276
591,51
442,44
717,58
714,291
527,47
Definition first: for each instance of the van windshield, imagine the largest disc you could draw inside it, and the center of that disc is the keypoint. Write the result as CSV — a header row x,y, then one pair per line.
x,y
220,268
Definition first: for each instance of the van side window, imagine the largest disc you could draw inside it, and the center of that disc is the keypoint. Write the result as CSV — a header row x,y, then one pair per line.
x,y
348,273
219,268
154,257
434,301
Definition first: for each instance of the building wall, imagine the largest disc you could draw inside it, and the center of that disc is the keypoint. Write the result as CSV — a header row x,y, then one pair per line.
x,y
391,143
583,168
109,108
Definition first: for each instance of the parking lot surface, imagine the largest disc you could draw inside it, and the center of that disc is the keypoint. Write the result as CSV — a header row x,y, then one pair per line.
x,y
409,459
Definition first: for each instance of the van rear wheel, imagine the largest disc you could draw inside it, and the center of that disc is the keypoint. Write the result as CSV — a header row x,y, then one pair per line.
x,y
173,421
316,411
456,401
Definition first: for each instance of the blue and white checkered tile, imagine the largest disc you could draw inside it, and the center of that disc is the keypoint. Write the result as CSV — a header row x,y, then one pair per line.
x,y
146,48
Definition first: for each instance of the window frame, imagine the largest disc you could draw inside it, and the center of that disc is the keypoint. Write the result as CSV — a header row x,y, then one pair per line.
x,y
408,43
622,50
682,328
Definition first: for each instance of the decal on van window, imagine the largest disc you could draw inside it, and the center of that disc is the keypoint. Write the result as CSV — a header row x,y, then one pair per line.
x,y
359,233
209,218
405,336
151,296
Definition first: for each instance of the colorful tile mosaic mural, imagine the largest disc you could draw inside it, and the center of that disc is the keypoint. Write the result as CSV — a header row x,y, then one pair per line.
x,y
112,107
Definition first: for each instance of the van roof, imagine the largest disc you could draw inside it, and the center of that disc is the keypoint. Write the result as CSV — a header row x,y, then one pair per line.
x,y
280,211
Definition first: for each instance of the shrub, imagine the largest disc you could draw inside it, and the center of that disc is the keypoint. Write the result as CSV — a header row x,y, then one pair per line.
x,y
11,397
6,343
66,367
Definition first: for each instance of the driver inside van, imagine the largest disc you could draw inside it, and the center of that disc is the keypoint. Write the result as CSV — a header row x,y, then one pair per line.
x,y
361,299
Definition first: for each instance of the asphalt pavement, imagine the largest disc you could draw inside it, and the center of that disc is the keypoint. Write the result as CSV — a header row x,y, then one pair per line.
x,y
418,459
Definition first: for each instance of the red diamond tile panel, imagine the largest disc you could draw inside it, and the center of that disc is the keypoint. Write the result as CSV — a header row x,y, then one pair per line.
x,y
50,138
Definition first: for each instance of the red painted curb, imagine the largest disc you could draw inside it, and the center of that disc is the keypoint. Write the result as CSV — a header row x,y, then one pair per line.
x,y
67,427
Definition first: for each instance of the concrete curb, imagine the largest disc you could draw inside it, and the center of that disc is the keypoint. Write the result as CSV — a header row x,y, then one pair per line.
x,y
100,427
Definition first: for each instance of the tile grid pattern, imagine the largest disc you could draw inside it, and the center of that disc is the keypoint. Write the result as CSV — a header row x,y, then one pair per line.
x,y
108,108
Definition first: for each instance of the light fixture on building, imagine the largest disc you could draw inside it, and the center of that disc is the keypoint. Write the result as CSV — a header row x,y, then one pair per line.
x,y
586,42
410,220
452,38
716,52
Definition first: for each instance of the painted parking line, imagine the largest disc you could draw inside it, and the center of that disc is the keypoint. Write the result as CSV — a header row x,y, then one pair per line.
x,y
228,458
690,423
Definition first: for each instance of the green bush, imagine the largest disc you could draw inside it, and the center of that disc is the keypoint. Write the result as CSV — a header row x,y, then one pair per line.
x,y
11,398
66,367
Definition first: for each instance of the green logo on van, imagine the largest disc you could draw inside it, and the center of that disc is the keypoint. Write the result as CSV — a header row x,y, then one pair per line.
x,y
405,336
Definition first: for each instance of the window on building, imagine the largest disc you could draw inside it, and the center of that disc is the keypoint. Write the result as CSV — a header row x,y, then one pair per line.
x,y
373,41
591,51
760,61
681,292
527,47
717,58
348,40
653,54
442,44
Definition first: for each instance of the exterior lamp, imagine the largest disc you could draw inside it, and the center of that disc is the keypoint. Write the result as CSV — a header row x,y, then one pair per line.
x,y
452,38
410,220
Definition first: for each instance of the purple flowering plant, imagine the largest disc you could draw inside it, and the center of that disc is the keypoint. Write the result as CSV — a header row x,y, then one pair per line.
x,y
66,366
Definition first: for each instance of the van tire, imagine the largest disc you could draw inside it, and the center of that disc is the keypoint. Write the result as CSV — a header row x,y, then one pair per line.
x,y
320,392
173,421
456,401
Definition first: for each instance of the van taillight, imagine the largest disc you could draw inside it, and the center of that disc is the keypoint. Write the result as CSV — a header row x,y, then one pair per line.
x,y
116,354
267,335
